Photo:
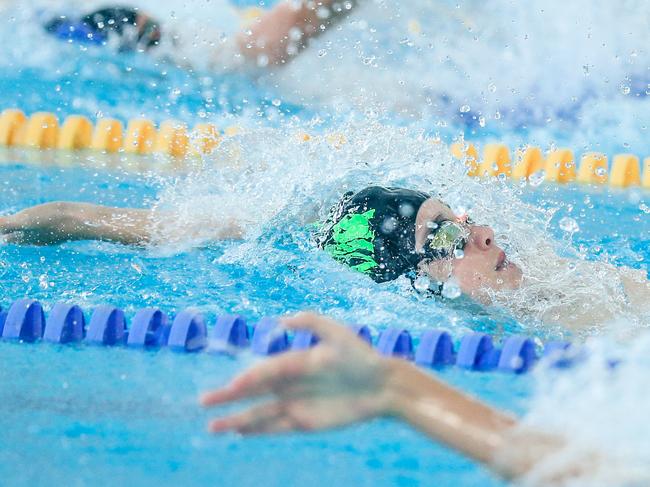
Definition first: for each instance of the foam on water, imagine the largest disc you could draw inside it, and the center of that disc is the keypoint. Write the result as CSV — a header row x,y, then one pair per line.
x,y
601,410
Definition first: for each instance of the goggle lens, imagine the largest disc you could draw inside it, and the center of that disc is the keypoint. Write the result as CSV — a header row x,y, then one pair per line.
x,y
447,236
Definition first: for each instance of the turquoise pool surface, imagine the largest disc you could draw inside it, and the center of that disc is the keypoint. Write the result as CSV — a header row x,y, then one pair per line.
x,y
78,415
81,415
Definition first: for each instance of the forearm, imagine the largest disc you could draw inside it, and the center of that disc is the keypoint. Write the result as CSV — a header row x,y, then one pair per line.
x,y
286,29
466,424
61,221
129,226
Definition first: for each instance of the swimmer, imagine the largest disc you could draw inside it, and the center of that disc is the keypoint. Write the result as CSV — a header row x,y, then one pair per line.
x,y
342,381
384,233
273,40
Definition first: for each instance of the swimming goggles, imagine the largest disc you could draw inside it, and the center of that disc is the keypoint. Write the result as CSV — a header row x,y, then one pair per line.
x,y
445,238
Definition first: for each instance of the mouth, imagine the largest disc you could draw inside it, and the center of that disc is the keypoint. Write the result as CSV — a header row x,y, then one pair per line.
x,y
502,262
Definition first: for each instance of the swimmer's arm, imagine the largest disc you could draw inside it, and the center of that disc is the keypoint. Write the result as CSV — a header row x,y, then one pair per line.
x,y
56,222
342,381
471,427
286,29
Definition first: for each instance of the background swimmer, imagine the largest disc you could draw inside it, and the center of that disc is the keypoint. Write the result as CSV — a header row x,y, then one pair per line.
x,y
272,40
383,232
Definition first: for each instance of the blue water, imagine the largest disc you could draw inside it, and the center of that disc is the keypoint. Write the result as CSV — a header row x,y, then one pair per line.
x,y
111,416
91,416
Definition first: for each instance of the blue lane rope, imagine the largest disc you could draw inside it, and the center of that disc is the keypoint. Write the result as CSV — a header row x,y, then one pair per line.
x,y
151,328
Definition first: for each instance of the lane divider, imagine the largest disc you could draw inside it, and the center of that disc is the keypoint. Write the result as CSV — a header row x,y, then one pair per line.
x,y
151,328
557,166
42,131
141,136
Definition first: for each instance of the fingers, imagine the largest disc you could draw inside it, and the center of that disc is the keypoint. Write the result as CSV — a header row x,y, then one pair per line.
x,y
325,328
265,418
260,379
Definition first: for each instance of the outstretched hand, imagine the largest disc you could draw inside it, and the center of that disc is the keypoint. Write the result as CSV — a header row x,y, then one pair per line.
x,y
338,382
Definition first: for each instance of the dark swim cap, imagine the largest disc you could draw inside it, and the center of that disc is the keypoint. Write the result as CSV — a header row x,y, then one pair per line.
x,y
133,29
373,231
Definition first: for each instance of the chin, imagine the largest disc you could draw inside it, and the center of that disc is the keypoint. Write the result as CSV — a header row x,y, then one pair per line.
x,y
514,277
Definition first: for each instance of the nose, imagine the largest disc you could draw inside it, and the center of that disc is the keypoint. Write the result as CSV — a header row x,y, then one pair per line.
x,y
482,236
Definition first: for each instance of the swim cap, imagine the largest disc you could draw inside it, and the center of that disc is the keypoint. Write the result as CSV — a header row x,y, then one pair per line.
x,y
134,30
373,231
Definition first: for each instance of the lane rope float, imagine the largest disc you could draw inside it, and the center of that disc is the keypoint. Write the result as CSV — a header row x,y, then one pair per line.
x,y
151,328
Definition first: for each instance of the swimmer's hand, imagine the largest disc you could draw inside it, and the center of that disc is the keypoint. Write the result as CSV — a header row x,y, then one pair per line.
x,y
338,382
57,222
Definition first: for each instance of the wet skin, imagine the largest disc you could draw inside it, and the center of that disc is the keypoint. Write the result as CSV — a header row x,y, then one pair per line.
x,y
484,265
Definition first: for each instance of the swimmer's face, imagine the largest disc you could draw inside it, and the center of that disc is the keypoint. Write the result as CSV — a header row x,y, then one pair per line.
x,y
483,266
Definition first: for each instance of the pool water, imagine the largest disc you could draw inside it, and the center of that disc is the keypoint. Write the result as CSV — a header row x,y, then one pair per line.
x,y
90,415
111,417
78,415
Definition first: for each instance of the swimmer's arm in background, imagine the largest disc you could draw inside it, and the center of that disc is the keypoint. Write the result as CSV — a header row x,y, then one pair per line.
x,y
56,222
285,30
342,381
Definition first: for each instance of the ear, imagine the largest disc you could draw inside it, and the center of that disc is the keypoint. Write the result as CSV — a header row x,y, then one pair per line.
x,y
436,269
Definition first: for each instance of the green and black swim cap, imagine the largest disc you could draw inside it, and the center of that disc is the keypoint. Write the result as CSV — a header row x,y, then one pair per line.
x,y
373,231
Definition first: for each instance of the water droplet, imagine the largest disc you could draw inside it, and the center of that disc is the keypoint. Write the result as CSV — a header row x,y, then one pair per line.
x,y
625,89
432,225
323,12
262,60
481,121
295,34
406,210
569,225
42,281
459,254
421,284
451,290
389,225
322,53
276,103
492,87
536,178
465,109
